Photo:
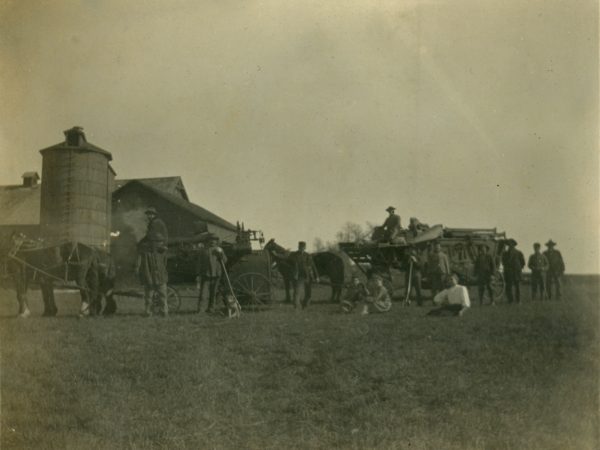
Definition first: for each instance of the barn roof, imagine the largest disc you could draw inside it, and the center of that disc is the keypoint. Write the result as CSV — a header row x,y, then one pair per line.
x,y
199,212
20,205
170,185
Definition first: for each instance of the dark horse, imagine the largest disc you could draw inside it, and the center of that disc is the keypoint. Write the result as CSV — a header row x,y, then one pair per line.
x,y
91,270
329,264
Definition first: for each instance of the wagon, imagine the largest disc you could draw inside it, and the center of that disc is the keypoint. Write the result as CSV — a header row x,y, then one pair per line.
x,y
249,267
460,244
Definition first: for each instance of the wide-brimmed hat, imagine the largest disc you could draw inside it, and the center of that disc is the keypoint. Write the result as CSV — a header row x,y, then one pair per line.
x,y
390,208
550,243
151,210
511,242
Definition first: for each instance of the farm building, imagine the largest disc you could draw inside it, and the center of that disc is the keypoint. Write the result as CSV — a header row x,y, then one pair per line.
x,y
80,199
20,207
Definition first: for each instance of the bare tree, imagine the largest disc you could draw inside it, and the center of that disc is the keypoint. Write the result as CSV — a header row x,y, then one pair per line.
x,y
320,245
351,232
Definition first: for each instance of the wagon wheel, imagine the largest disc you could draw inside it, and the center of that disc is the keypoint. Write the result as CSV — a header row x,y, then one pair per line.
x,y
173,301
497,285
252,288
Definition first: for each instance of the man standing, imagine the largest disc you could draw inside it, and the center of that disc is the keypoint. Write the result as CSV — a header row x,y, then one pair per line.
x,y
513,262
454,299
412,277
484,271
151,265
211,260
538,264
438,267
556,268
391,226
304,272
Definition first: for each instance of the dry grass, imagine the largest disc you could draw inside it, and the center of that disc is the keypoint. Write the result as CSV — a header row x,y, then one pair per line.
x,y
503,377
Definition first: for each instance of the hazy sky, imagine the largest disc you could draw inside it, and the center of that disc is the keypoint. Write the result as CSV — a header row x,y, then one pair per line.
x,y
297,116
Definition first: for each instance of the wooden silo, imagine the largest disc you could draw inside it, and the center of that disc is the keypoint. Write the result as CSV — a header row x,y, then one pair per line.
x,y
77,181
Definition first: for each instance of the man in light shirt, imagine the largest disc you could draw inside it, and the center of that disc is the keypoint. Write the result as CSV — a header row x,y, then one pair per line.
x,y
454,299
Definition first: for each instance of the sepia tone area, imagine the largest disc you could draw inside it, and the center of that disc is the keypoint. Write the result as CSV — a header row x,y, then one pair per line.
x,y
299,225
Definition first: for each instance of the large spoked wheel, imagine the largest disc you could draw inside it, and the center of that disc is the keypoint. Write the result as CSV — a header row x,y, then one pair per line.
x,y
253,289
173,301
498,285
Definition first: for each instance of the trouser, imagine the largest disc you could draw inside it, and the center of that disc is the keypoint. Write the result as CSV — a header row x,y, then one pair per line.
x,y
307,284
553,278
50,308
537,283
513,285
213,287
484,284
21,286
415,282
436,281
161,292
453,309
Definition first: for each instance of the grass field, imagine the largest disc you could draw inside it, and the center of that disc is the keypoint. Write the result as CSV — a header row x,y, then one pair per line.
x,y
513,377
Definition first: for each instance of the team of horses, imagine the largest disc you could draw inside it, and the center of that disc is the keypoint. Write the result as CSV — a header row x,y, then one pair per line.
x,y
66,265
329,264
78,266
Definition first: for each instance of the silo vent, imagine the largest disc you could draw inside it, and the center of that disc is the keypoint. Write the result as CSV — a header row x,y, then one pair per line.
x,y
30,179
75,137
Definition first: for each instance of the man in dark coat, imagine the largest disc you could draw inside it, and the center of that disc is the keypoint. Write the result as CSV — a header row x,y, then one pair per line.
x,y
438,268
412,277
210,263
151,265
538,264
556,268
304,273
392,225
513,262
484,269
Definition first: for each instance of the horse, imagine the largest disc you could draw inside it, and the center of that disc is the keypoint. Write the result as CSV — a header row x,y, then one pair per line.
x,y
92,271
331,264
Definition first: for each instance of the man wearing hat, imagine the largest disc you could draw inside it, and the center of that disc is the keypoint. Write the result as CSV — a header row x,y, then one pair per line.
x,y
304,272
513,262
538,264
556,268
210,263
438,267
391,226
484,270
151,265
412,277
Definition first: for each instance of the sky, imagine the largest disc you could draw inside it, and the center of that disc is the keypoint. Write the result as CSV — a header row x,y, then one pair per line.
x,y
297,117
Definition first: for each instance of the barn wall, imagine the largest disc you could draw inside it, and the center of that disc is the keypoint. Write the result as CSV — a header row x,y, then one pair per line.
x,y
129,219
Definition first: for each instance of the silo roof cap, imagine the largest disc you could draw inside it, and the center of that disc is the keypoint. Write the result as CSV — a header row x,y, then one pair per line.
x,y
75,139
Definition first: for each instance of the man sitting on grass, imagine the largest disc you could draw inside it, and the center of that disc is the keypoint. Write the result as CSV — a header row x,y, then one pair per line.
x,y
379,299
454,299
376,300
356,294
